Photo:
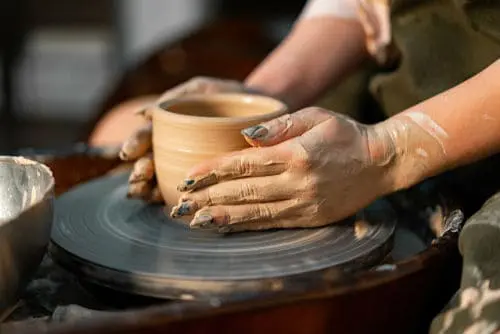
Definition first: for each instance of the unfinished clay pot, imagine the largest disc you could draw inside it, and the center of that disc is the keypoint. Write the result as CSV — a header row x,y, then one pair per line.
x,y
192,129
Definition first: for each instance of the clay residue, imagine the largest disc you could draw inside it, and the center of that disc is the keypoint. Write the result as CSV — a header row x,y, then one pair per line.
x,y
429,126
361,229
436,221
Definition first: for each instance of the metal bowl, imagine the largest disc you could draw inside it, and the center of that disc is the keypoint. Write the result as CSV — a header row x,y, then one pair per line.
x,y
26,214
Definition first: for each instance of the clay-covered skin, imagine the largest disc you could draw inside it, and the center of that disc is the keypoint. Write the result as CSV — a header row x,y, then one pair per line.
x,y
142,183
306,169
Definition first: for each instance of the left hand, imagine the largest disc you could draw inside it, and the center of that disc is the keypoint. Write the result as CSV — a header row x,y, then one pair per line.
x,y
138,147
306,169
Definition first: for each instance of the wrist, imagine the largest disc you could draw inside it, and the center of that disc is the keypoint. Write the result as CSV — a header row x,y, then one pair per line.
x,y
383,157
405,151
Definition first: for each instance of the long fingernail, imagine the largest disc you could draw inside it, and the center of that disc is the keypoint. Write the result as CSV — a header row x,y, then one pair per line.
x,y
200,182
186,184
255,132
183,209
204,220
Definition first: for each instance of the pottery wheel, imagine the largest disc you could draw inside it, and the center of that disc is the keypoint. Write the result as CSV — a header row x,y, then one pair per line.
x,y
129,245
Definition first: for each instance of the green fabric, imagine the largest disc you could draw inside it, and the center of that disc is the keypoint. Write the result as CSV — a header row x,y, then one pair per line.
x,y
441,44
476,307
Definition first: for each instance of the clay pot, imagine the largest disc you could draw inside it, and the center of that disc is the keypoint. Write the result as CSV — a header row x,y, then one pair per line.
x,y
195,128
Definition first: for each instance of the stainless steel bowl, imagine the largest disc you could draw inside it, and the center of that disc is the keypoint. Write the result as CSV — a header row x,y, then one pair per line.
x,y
26,214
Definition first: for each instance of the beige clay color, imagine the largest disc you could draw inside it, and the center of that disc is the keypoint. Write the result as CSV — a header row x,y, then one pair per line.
x,y
139,143
313,168
192,129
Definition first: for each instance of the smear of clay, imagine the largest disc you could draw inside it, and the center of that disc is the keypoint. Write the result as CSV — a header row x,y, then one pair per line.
x,y
361,229
487,117
429,126
420,151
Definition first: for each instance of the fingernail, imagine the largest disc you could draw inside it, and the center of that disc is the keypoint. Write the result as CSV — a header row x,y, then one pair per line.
x,y
185,185
183,209
123,155
136,177
140,112
144,112
255,132
204,220
155,196
224,229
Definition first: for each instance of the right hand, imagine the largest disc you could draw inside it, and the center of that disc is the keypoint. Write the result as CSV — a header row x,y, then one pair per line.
x,y
142,181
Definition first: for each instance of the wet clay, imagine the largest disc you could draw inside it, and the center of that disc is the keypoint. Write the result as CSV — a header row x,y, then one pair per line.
x,y
412,143
196,128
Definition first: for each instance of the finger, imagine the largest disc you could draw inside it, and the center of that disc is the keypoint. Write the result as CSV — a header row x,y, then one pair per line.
x,y
188,87
145,112
145,109
155,196
252,190
173,93
143,170
138,144
247,163
259,216
140,190
285,127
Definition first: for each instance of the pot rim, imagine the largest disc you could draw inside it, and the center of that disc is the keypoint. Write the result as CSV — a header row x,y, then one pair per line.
x,y
47,191
161,108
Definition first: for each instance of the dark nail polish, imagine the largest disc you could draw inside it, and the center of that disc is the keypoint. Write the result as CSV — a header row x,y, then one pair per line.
x,y
185,185
255,132
183,209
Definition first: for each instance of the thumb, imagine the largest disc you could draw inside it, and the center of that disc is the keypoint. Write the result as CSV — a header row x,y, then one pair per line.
x,y
285,127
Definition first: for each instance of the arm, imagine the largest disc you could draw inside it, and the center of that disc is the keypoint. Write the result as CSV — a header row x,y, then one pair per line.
x,y
326,43
457,127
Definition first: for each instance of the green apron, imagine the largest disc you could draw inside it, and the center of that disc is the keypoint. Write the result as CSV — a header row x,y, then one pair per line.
x,y
441,44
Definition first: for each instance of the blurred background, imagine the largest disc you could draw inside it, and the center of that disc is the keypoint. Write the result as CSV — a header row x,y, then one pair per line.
x,y
65,62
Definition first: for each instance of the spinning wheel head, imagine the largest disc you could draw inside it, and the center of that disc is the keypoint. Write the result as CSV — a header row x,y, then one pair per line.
x,y
131,246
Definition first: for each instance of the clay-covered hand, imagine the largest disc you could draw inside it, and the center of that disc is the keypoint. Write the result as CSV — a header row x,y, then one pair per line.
x,y
142,183
306,169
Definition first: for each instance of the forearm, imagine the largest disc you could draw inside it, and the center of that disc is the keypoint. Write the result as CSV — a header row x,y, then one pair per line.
x,y
316,55
457,127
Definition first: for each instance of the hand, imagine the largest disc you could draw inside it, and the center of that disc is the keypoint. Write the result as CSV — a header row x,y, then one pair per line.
x,y
142,183
312,168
